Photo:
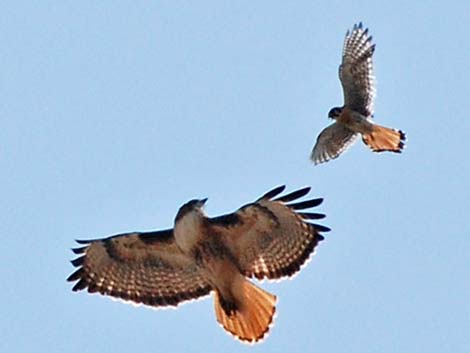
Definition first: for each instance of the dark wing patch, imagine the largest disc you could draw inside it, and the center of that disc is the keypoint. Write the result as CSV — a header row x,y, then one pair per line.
x,y
158,236
272,240
228,220
310,215
145,268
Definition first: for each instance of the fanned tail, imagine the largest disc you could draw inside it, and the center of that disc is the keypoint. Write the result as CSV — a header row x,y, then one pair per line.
x,y
250,315
385,139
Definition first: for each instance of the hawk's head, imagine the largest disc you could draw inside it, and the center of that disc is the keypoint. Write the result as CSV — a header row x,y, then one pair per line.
x,y
195,207
335,112
188,222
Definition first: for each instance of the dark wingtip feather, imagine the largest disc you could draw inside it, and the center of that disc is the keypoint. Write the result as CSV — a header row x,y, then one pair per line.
x,y
78,274
321,228
80,250
294,195
80,285
272,193
87,241
306,204
310,215
78,261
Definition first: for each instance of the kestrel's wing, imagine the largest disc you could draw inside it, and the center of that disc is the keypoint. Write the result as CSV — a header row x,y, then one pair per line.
x,y
356,72
332,141
145,268
271,238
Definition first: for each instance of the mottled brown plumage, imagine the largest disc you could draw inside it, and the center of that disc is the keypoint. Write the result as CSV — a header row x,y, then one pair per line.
x,y
270,238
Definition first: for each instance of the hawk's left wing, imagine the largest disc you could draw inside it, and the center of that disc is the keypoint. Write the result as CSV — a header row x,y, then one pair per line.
x,y
271,238
145,268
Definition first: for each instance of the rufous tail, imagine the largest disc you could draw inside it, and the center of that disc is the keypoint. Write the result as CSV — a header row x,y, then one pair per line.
x,y
385,139
249,316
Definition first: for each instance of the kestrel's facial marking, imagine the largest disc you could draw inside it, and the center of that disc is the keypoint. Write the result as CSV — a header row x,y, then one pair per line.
x,y
335,113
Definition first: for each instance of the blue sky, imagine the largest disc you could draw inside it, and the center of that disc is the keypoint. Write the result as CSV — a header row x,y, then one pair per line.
x,y
114,114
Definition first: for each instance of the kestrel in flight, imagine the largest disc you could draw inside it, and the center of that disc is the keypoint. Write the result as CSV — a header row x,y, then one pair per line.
x,y
354,118
270,238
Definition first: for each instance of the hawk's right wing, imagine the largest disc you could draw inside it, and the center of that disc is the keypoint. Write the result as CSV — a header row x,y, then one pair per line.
x,y
332,141
145,268
271,238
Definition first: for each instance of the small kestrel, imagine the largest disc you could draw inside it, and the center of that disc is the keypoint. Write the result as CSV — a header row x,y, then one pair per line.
x,y
270,238
355,116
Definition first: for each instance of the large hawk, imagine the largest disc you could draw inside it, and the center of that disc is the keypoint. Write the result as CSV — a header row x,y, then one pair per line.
x,y
355,117
270,238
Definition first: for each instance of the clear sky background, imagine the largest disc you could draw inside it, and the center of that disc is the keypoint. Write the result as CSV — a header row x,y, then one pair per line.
x,y
113,114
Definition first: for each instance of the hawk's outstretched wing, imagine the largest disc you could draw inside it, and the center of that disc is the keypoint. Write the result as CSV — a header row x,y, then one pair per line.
x,y
271,238
332,141
356,71
145,268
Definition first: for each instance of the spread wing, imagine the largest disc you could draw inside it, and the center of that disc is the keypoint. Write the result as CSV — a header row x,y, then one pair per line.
x,y
145,268
332,141
271,238
356,71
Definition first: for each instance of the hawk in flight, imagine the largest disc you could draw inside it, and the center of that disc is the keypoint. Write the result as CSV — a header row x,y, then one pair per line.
x,y
355,116
270,238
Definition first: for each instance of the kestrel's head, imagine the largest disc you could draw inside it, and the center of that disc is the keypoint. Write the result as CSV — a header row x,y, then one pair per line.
x,y
193,207
335,112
